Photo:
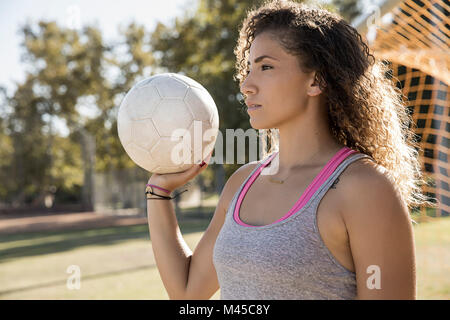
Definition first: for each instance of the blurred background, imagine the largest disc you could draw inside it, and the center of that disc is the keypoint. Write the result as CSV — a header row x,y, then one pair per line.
x,y
70,196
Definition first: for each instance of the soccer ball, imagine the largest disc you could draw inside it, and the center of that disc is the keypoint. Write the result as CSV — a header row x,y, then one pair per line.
x,y
167,123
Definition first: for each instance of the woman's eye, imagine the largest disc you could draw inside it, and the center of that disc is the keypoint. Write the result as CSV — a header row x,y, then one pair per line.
x,y
263,67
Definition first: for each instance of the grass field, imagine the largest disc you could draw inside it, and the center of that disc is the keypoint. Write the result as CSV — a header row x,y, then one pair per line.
x,y
117,263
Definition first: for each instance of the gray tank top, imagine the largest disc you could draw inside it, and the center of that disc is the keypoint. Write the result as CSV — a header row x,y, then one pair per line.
x,y
287,259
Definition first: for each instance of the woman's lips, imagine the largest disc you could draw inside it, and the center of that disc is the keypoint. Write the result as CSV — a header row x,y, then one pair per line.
x,y
254,107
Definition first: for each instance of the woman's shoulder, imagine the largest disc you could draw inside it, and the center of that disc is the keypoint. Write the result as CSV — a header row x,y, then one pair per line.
x,y
366,163
367,186
360,174
245,170
238,177
365,170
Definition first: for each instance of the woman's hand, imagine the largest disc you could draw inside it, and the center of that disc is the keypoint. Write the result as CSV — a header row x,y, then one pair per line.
x,y
172,181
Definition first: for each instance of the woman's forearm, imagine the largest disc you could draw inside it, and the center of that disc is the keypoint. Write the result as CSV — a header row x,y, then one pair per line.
x,y
171,252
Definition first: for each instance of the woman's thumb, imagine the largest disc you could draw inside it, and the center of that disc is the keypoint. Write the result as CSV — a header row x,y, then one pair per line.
x,y
194,170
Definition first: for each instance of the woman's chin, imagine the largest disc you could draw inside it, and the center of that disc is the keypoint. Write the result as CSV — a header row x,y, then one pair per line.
x,y
259,125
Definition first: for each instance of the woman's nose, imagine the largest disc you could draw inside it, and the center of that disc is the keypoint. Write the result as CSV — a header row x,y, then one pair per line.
x,y
247,87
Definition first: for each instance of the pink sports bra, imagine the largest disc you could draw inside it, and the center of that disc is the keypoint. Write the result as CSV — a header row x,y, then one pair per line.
x,y
315,184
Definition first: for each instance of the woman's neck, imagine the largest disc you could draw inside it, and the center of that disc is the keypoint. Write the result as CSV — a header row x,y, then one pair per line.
x,y
306,143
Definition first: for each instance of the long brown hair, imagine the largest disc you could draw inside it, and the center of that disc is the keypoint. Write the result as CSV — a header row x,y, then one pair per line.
x,y
366,111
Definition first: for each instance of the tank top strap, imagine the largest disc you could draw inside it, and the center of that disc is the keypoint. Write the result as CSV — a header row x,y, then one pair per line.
x,y
256,171
253,174
333,175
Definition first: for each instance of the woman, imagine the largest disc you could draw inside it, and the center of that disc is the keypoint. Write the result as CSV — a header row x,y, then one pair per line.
x,y
344,147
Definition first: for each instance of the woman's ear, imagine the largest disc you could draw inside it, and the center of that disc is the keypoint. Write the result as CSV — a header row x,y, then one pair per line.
x,y
315,89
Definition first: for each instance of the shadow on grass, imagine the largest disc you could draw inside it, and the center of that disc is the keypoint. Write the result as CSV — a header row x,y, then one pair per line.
x,y
85,277
41,243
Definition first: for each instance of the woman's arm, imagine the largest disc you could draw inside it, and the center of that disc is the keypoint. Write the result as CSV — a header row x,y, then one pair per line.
x,y
186,274
381,237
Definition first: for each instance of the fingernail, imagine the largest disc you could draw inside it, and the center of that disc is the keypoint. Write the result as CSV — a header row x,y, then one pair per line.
x,y
202,164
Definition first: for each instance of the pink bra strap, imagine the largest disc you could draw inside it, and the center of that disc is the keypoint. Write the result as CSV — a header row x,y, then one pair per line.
x,y
248,184
320,179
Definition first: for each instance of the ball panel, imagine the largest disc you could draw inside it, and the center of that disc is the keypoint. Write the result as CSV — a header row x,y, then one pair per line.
x,y
170,87
142,102
171,115
214,121
200,103
140,156
144,134
145,82
124,125
189,82
171,153
203,137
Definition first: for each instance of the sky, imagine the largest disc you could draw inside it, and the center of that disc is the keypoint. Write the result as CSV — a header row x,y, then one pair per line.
x,y
108,15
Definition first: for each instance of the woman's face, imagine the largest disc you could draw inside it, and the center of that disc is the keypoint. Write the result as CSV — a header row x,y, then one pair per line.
x,y
277,83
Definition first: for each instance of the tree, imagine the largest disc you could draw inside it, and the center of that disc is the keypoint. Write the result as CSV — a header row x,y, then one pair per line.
x,y
349,9
68,70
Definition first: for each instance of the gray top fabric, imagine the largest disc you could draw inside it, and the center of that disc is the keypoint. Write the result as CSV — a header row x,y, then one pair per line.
x,y
287,260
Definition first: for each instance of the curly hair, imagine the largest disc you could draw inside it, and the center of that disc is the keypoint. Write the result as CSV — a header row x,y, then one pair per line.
x,y
365,110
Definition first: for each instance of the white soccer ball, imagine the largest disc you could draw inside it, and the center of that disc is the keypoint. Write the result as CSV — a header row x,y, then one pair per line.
x,y
167,123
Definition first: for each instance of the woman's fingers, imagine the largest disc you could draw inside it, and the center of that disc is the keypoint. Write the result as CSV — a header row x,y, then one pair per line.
x,y
175,180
